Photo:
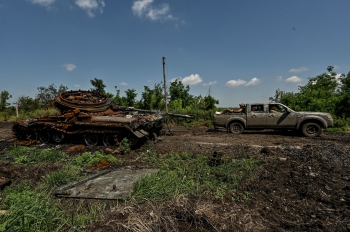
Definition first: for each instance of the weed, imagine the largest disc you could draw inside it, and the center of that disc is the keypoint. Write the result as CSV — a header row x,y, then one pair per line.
x,y
88,159
124,146
61,177
186,174
31,155
29,210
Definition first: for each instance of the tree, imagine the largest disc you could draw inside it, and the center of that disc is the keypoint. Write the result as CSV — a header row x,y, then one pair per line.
x,y
98,85
343,109
278,95
321,93
4,96
178,91
130,97
210,102
46,95
153,98
27,104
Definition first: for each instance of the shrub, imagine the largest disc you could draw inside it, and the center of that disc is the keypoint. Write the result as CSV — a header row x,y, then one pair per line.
x,y
88,159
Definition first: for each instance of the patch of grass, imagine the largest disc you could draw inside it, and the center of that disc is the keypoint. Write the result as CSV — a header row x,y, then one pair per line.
x,y
32,155
29,210
338,129
188,174
61,177
88,159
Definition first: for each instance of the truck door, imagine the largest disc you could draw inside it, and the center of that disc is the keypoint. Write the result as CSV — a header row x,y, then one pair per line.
x,y
279,117
256,116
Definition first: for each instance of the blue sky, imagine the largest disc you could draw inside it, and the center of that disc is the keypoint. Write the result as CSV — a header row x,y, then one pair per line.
x,y
241,50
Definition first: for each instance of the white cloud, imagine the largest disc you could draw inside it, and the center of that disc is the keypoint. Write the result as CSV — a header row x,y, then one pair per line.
x,y
253,81
45,3
193,79
175,78
144,8
123,84
235,83
298,70
69,67
139,7
210,83
279,78
91,6
77,86
149,81
293,79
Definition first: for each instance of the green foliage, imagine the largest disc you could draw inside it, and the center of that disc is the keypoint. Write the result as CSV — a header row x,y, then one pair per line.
x,y
29,210
189,174
4,96
89,159
98,85
27,104
210,102
322,93
46,95
153,98
32,155
130,98
178,91
61,177
124,146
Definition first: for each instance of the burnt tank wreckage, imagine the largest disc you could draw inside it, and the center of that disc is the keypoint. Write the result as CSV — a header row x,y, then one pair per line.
x,y
93,118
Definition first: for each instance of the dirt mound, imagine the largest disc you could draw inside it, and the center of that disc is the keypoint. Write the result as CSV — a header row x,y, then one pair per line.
x,y
309,191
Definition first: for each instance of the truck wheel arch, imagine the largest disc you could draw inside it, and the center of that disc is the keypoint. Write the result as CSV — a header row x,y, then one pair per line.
x,y
311,128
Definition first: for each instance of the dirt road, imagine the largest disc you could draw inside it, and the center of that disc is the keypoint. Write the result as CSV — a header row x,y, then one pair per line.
x,y
302,184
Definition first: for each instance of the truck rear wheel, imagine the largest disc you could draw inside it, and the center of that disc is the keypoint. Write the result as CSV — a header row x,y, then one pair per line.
x,y
236,128
311,129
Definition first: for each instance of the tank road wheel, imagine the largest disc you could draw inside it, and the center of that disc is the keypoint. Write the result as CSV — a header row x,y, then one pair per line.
x,y
57,136
109,140
44,136
311,129
236,128
32,135
91,139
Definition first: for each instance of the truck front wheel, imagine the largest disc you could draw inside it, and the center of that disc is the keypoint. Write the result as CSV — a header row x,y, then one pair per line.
x,y
311,129
236,128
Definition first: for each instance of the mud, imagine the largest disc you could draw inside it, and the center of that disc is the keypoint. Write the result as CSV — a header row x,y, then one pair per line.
x,y
303,184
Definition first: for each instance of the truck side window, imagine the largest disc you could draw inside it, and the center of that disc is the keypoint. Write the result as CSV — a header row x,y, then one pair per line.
x,y
257,108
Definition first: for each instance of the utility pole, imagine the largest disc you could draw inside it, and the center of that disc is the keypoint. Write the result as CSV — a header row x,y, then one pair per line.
x,y
165,94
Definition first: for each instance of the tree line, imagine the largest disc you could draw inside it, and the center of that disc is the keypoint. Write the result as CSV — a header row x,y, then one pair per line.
x,y
152,98
327,92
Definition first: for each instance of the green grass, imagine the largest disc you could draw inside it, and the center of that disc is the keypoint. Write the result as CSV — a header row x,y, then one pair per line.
x,y
89,159
33,155
32,208
29,210
61,177
11,116
186,174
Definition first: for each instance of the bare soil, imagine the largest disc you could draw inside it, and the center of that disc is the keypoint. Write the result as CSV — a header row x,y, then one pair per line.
x,y
303,184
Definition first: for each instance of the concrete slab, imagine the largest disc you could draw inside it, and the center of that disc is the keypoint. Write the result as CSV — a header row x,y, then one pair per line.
x,y
111,185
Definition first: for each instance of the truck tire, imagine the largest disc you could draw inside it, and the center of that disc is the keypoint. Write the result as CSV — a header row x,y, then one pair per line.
x,y
311,129
236,128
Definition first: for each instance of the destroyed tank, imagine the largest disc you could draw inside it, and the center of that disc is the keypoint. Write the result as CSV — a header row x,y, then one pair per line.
x,y
93,118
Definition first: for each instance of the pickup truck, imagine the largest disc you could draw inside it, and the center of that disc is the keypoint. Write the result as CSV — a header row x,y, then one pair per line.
x,y
272,116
